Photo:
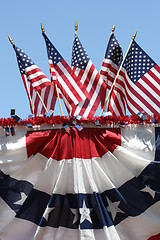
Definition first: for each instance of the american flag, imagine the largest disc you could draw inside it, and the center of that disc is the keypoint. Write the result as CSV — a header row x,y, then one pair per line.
x,y
110,65
87,74
71,91
139,80
34,80
34,75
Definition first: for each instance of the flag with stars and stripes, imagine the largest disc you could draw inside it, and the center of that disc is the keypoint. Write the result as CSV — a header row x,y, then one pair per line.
x,y
105,184
139,80
70,90
27,67
35,80
109,69
87,74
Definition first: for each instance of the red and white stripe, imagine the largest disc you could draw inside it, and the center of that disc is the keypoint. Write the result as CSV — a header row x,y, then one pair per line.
x,y
94,85
47,94
37,77
52,72
68,106
61,95
142,95
71,89
116,103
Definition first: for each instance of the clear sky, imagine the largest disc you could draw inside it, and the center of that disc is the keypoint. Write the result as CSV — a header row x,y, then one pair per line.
x,y
21,20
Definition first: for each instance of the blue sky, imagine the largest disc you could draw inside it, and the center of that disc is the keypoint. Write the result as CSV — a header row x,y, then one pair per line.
x,y
21,20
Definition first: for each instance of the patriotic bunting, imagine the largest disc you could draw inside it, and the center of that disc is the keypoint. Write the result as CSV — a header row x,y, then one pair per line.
x,y
98,183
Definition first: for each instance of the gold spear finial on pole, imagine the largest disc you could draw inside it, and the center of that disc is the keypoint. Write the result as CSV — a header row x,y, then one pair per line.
x,y
76,28
10,39
43,31
113,28
134,35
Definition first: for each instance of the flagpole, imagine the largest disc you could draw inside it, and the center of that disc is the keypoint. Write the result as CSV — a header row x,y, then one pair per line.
x,y
112,32
43,31
118,73
11,41
108,45
59,99
42,101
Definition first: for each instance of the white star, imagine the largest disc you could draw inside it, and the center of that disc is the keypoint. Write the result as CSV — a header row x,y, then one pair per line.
x,y
149,190
75,212
47,212
23,198
85,213
113,208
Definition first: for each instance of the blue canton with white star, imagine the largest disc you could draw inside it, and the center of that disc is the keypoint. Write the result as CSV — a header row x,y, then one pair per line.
x,y
12,190
114,51
137,62
80,57
23,60
53,54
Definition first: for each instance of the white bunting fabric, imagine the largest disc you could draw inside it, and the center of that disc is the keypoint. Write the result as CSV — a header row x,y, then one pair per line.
x,y
94,184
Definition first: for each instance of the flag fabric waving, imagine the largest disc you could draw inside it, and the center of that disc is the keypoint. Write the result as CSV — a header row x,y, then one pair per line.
x,y
87,74
104,185
54,81
109,69
48,96
35,80
34,75
72,92
139,81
